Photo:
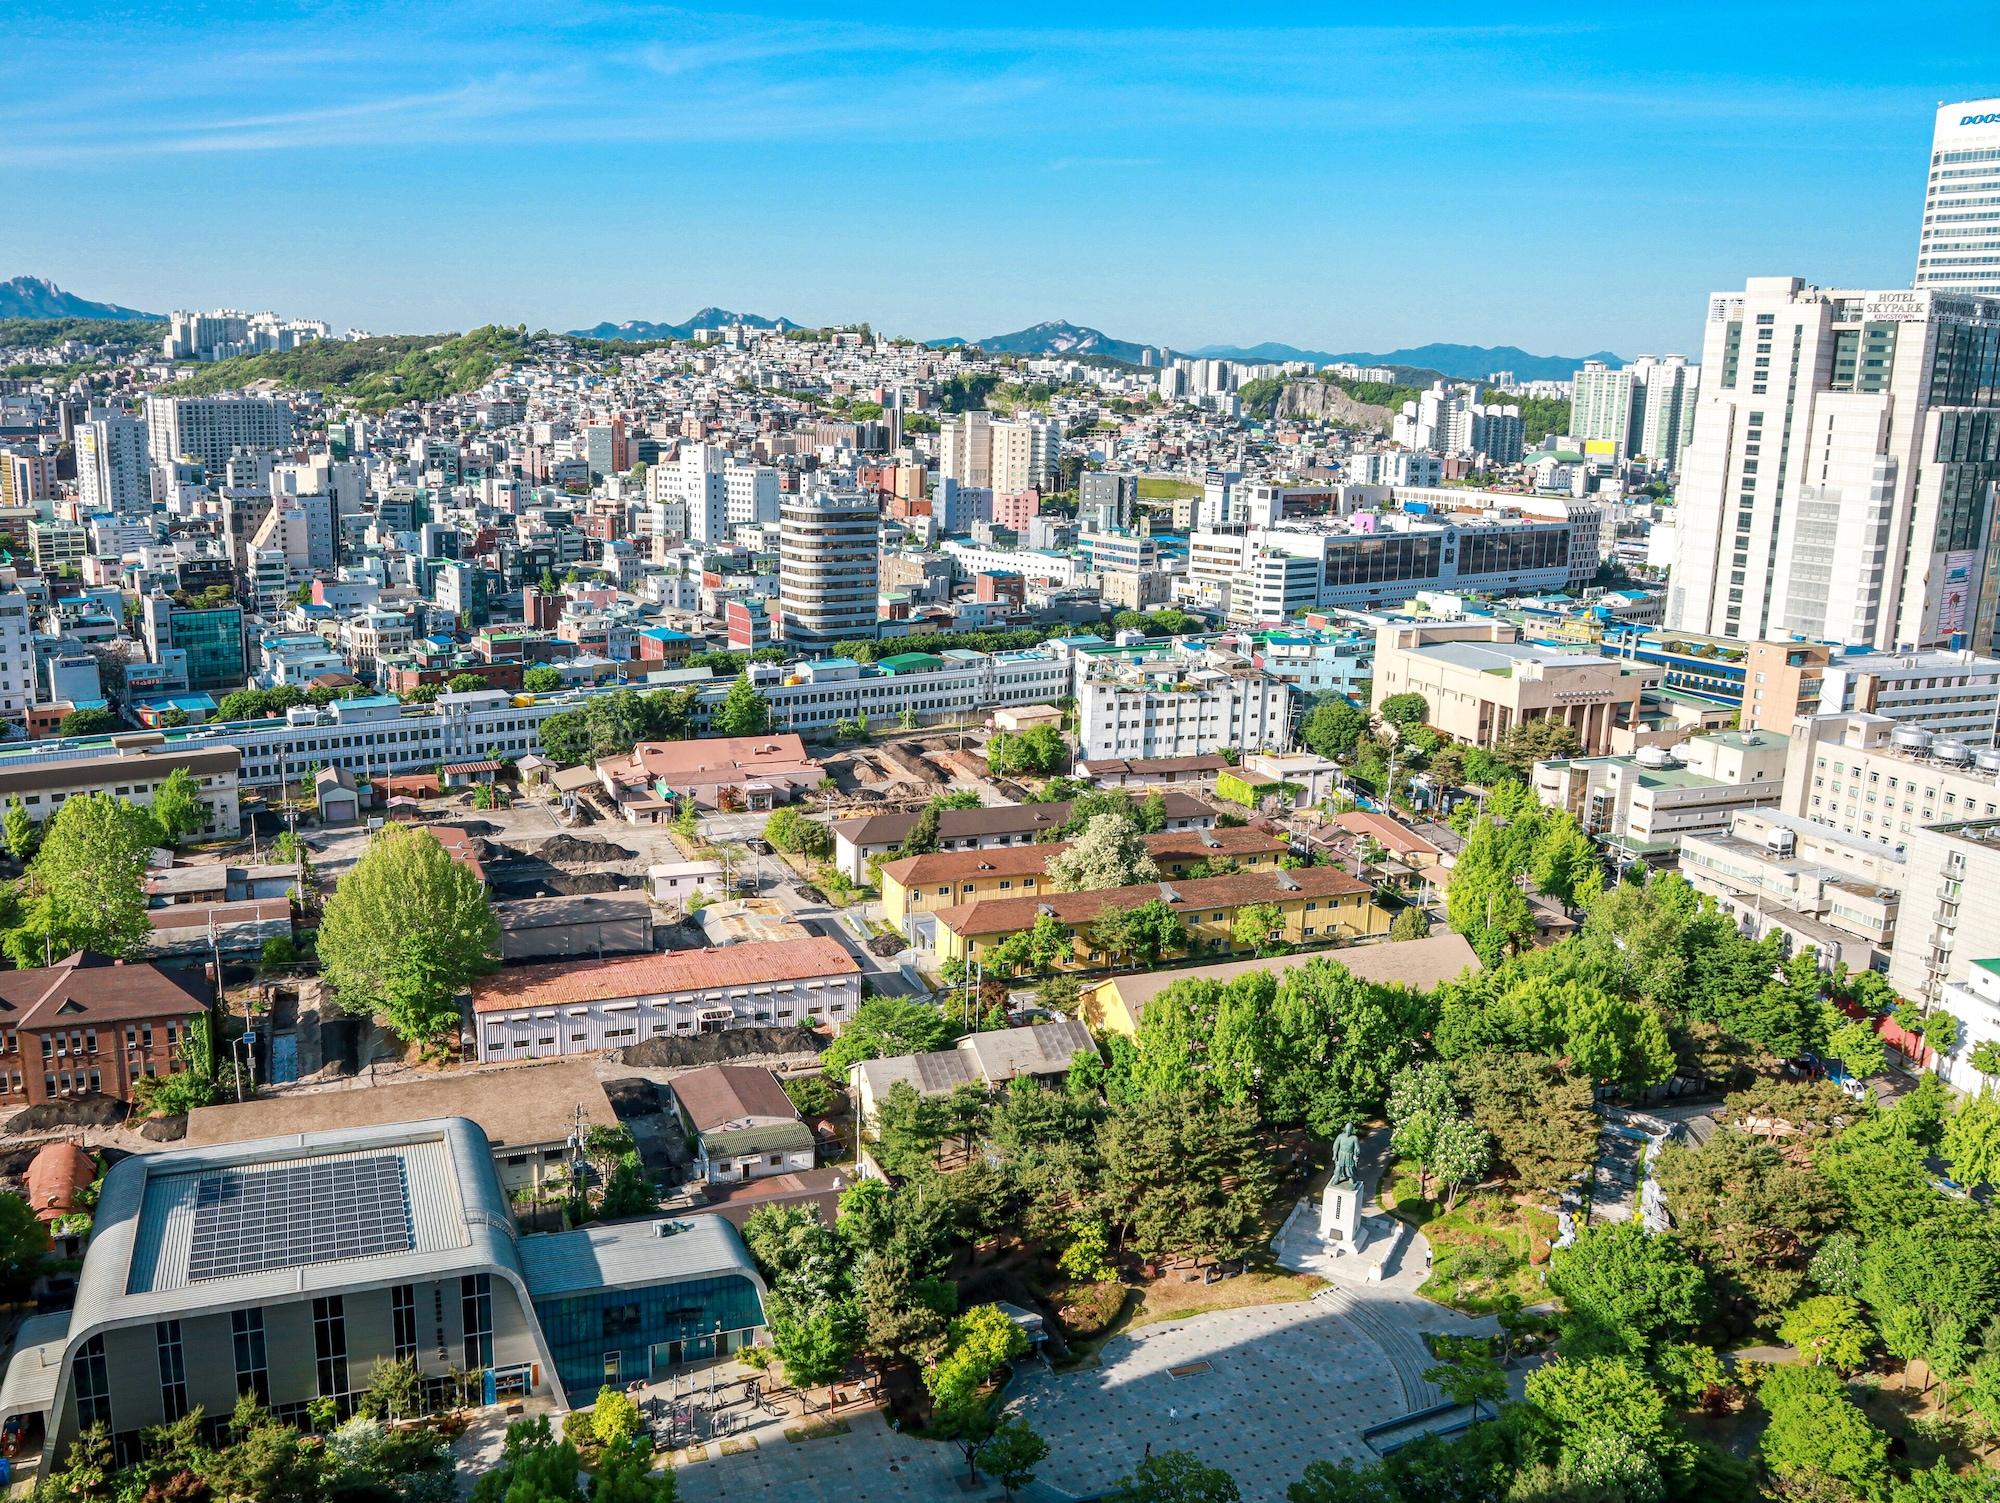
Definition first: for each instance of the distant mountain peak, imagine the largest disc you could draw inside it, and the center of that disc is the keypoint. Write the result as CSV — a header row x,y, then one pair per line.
x,y
38,297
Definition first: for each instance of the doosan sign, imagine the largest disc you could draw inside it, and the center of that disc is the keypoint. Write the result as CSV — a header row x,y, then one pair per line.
x,y
1980,120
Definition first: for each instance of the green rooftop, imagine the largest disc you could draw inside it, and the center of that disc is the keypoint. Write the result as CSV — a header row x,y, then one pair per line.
x,y
910,662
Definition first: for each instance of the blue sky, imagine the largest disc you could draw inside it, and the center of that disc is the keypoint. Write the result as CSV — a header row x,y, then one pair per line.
x,y
1561,180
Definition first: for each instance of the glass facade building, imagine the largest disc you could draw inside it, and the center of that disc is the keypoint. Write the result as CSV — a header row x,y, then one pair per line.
x,y
616,1335
213,642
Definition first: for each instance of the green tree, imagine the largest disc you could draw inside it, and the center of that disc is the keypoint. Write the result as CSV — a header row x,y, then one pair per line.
x,y
535,1467
1467,1370
1608,1426
91,722
1817,1434
1972,1140
1542,739
1155,930
1410,923
743,711
1333,727
1565,864
1421,1101
815,1340
22,831
1829,1330
85,889
1184,1176
791,829
541,681
1109,853
24,1243
1747,1213
982,1340
565,739
1854,1044
883,1027
1404,710
1011,1454
1176,1477
177,806
1625,1290
1482,901
1537,1115
614,1418
405,931
1039,750
923,837
1254,926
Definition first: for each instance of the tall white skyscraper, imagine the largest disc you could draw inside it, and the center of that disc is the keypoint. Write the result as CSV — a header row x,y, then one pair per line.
x,y
1959,249
1840,483
112,472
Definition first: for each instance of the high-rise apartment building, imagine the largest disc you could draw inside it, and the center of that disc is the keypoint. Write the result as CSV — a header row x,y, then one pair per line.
x,y
1024,454
1959,247
112,472
965,449
1601,406
829,561
209,429
1840,482
1663,398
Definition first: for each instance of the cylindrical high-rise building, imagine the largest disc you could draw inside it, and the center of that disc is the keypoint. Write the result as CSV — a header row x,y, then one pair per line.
x,y
1959,249
829,552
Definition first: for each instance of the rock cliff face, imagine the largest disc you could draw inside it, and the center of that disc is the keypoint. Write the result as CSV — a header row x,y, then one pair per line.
x,y
1326,402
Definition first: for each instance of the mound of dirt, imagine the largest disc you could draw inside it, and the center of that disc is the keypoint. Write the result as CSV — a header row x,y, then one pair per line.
x,y
165,1129
568,850
83,1111
690,1050
886,945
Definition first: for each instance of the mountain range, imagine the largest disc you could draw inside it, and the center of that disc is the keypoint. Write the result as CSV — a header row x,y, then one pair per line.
x,y
38,297
1465,361
636,329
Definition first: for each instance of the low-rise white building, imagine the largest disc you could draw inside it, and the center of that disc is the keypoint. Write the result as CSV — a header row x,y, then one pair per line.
x,y
1644,805
1177,709
577,1007
1776,873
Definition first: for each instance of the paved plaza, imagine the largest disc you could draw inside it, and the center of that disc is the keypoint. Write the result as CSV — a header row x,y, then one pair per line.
x,y
1258,1392
870,1461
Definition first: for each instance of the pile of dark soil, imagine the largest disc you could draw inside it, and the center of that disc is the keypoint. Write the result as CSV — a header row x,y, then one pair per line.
x,y
688,1050
568,850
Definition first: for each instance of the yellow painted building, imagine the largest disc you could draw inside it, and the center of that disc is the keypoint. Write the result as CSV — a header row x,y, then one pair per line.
x,y
1319,905
946,879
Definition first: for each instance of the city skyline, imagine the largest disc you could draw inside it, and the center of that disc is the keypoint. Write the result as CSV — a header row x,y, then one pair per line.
x,y
1167,183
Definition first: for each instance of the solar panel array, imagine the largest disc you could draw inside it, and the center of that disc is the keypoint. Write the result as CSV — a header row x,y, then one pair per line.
x,y
291,1215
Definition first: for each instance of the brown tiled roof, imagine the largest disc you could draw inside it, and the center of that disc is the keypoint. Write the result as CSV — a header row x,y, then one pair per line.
x,y
1145,766
717,1095
1390,834
1005,915
1420,963
570,981
1029,860
197,915
514,1105
88,989
992,819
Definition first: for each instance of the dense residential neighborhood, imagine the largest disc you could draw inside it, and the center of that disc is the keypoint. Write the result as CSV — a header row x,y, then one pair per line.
x,y
749,908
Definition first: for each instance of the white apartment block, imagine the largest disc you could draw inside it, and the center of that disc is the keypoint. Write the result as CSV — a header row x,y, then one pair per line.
x,y
750,494
209,429
1959,247
1663,394
17,656
1601,406
1839,483
1950,917
1866,776
1024,454
1174,710
113,471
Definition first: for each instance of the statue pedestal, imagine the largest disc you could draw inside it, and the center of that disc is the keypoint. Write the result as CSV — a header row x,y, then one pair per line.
x,y
1340,1217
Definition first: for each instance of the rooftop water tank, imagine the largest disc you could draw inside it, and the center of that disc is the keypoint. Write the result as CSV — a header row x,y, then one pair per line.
x,y
1911,738
1781,842
1950,749
1987,759
1655,756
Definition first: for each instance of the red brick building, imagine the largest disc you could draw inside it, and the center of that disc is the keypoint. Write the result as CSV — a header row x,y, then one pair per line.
x,y
92,1025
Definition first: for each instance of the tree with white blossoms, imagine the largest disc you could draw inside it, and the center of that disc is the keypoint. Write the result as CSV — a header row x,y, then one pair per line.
x,y
1109,853
1429,1128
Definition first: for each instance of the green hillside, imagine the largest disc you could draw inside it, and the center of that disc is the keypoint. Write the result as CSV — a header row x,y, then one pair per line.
x,y
374,374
